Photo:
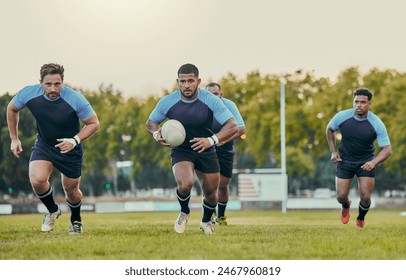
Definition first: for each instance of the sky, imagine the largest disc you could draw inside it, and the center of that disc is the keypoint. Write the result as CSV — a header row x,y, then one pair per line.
x,y
137,46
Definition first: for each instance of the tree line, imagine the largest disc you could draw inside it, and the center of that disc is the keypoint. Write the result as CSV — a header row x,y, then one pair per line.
x,y
310,103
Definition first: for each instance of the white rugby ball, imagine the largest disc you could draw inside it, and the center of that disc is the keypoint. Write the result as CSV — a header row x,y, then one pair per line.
x,y
173,132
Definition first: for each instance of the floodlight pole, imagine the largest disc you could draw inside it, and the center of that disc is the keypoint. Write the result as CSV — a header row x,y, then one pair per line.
x,y
283,145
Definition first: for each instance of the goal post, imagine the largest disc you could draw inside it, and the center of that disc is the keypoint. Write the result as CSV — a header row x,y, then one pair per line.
x,y
267,184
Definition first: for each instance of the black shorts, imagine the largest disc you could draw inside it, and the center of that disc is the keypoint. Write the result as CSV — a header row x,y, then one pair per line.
x,y
347,170
69,164
226,164
204,162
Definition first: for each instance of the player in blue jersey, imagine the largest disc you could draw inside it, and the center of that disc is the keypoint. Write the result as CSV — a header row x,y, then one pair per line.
x,y
359,129
195,109
225,154
57,110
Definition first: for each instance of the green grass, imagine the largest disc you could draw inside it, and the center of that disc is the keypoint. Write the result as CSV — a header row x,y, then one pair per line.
x,y
251,235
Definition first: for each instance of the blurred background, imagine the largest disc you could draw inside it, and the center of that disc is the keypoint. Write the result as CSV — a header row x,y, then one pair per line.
x,y
123,56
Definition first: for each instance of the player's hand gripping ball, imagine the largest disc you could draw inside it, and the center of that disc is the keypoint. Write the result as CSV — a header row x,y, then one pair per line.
x,y
173,132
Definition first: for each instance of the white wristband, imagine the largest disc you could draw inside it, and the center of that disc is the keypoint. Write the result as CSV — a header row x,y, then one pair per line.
x,y
211,141
155,134
215,139
77,139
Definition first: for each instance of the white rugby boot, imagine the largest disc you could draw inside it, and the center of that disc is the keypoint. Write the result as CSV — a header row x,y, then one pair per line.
x,y
207,227
49,220
181,222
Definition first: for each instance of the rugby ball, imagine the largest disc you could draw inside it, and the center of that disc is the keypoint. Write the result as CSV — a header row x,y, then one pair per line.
x,y
173,132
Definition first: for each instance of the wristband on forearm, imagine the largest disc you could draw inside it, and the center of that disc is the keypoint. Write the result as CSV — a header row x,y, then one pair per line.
x,y
155,134
213,140
77,139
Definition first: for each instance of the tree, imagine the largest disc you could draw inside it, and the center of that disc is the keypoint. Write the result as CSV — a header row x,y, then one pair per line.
x,y
14,171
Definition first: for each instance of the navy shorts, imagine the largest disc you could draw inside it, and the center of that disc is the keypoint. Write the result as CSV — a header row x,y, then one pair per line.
x,y
204,162
346,170
226,164
69,164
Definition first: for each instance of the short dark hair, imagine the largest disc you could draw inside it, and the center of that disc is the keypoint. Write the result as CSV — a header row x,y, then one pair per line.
x,y
188,69
51,68
363,91
213,84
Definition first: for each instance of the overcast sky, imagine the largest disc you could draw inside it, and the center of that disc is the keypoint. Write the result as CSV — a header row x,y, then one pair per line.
x,y
138,45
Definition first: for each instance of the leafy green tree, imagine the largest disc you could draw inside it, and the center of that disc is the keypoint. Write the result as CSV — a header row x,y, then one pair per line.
x,y
310,103
14,171
389,105
103,148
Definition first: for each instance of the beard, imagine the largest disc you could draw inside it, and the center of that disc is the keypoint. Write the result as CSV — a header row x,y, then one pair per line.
x,y
52,95
189,94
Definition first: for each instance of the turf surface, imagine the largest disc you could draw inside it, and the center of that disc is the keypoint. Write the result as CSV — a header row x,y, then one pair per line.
x,y
250,235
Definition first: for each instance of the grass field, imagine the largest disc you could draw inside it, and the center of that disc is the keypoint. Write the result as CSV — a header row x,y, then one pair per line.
x,y
250,235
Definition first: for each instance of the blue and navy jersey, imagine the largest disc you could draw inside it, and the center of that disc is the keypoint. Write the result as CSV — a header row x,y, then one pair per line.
x,y
358,135
57,118
228,148
195,115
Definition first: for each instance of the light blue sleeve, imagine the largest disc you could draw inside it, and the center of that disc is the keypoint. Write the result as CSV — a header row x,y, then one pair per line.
x,y
382,136
158,114
339,118
234,110
78,102
220,111
26,94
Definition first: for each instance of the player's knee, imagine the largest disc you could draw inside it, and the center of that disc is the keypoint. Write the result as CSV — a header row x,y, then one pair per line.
x,y
211,197
365,201
185,186
342,198
73,195
37,181
222,190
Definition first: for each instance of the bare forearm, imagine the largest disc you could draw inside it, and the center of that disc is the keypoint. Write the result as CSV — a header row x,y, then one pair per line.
x,y
229,129
151,126
240,131
383,154
92,125
12,122
87,131
331,140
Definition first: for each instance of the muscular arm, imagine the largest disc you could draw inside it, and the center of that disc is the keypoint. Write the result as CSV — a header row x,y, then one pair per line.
x,y
12,123
385,152
152,126
92,125
229,130
331,140
240,131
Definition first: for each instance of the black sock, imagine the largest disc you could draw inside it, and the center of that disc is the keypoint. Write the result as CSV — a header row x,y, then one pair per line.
x,y
75,211
362,211
47,199
221,208
184,202
207,211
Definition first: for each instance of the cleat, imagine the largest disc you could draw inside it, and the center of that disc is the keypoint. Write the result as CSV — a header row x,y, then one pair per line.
x,y
75,227
181,222
360,223
213,218
49,220
207,227
221,221
345,213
